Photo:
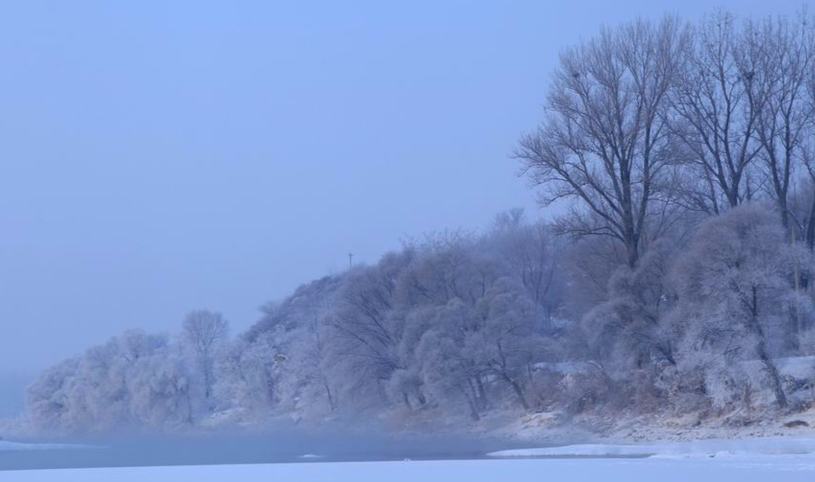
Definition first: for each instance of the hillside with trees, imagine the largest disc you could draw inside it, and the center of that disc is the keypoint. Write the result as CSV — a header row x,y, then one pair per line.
x,y
677,279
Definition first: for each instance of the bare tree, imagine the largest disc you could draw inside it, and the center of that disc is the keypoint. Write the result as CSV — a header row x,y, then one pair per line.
x,y
807,221
203,330
364,327
786,49
716,106
533,255
604,140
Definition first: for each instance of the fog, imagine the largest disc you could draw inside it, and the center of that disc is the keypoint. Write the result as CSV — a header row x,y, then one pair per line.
x,y
12,392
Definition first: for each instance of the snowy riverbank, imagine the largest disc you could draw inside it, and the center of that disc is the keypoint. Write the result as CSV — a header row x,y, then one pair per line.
x,y
733,448
7,445
793,468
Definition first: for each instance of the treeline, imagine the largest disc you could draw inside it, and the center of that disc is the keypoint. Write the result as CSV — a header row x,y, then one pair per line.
x,y
457,320
136,380
676,280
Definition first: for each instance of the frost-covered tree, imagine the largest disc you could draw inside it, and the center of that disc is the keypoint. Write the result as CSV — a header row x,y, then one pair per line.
x,y
203,331
625,332
448,369
95,391
507,343
366,327
48,397
735,295
160,387
533,255
472,350
246,379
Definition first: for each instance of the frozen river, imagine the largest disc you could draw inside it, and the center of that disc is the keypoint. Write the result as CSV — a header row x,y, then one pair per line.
x,y
761,469
363,459
219,449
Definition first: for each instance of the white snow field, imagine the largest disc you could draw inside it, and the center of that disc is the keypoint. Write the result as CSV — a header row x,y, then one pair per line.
x,y
11,446
792,468
712,460
733,448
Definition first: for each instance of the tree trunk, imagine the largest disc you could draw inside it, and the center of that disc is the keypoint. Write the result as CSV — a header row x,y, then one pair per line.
x,y
769,365
519,391
472,400
810,240
188,401
330,398
775,378
473,410
482,393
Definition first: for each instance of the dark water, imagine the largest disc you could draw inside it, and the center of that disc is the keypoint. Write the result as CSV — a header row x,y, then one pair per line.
x,y
248,449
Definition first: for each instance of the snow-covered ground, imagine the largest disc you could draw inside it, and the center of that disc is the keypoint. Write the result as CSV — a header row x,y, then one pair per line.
x,y
8,446
792,468
803,447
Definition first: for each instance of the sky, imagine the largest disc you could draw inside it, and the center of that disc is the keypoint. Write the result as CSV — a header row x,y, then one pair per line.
x,y
158,157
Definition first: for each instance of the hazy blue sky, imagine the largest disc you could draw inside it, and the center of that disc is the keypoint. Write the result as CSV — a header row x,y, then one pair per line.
x,y
160,156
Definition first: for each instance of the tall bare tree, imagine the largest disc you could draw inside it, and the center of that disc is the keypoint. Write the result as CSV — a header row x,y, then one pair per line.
x,y
717,102
604,140
808,157
788,50
203,330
